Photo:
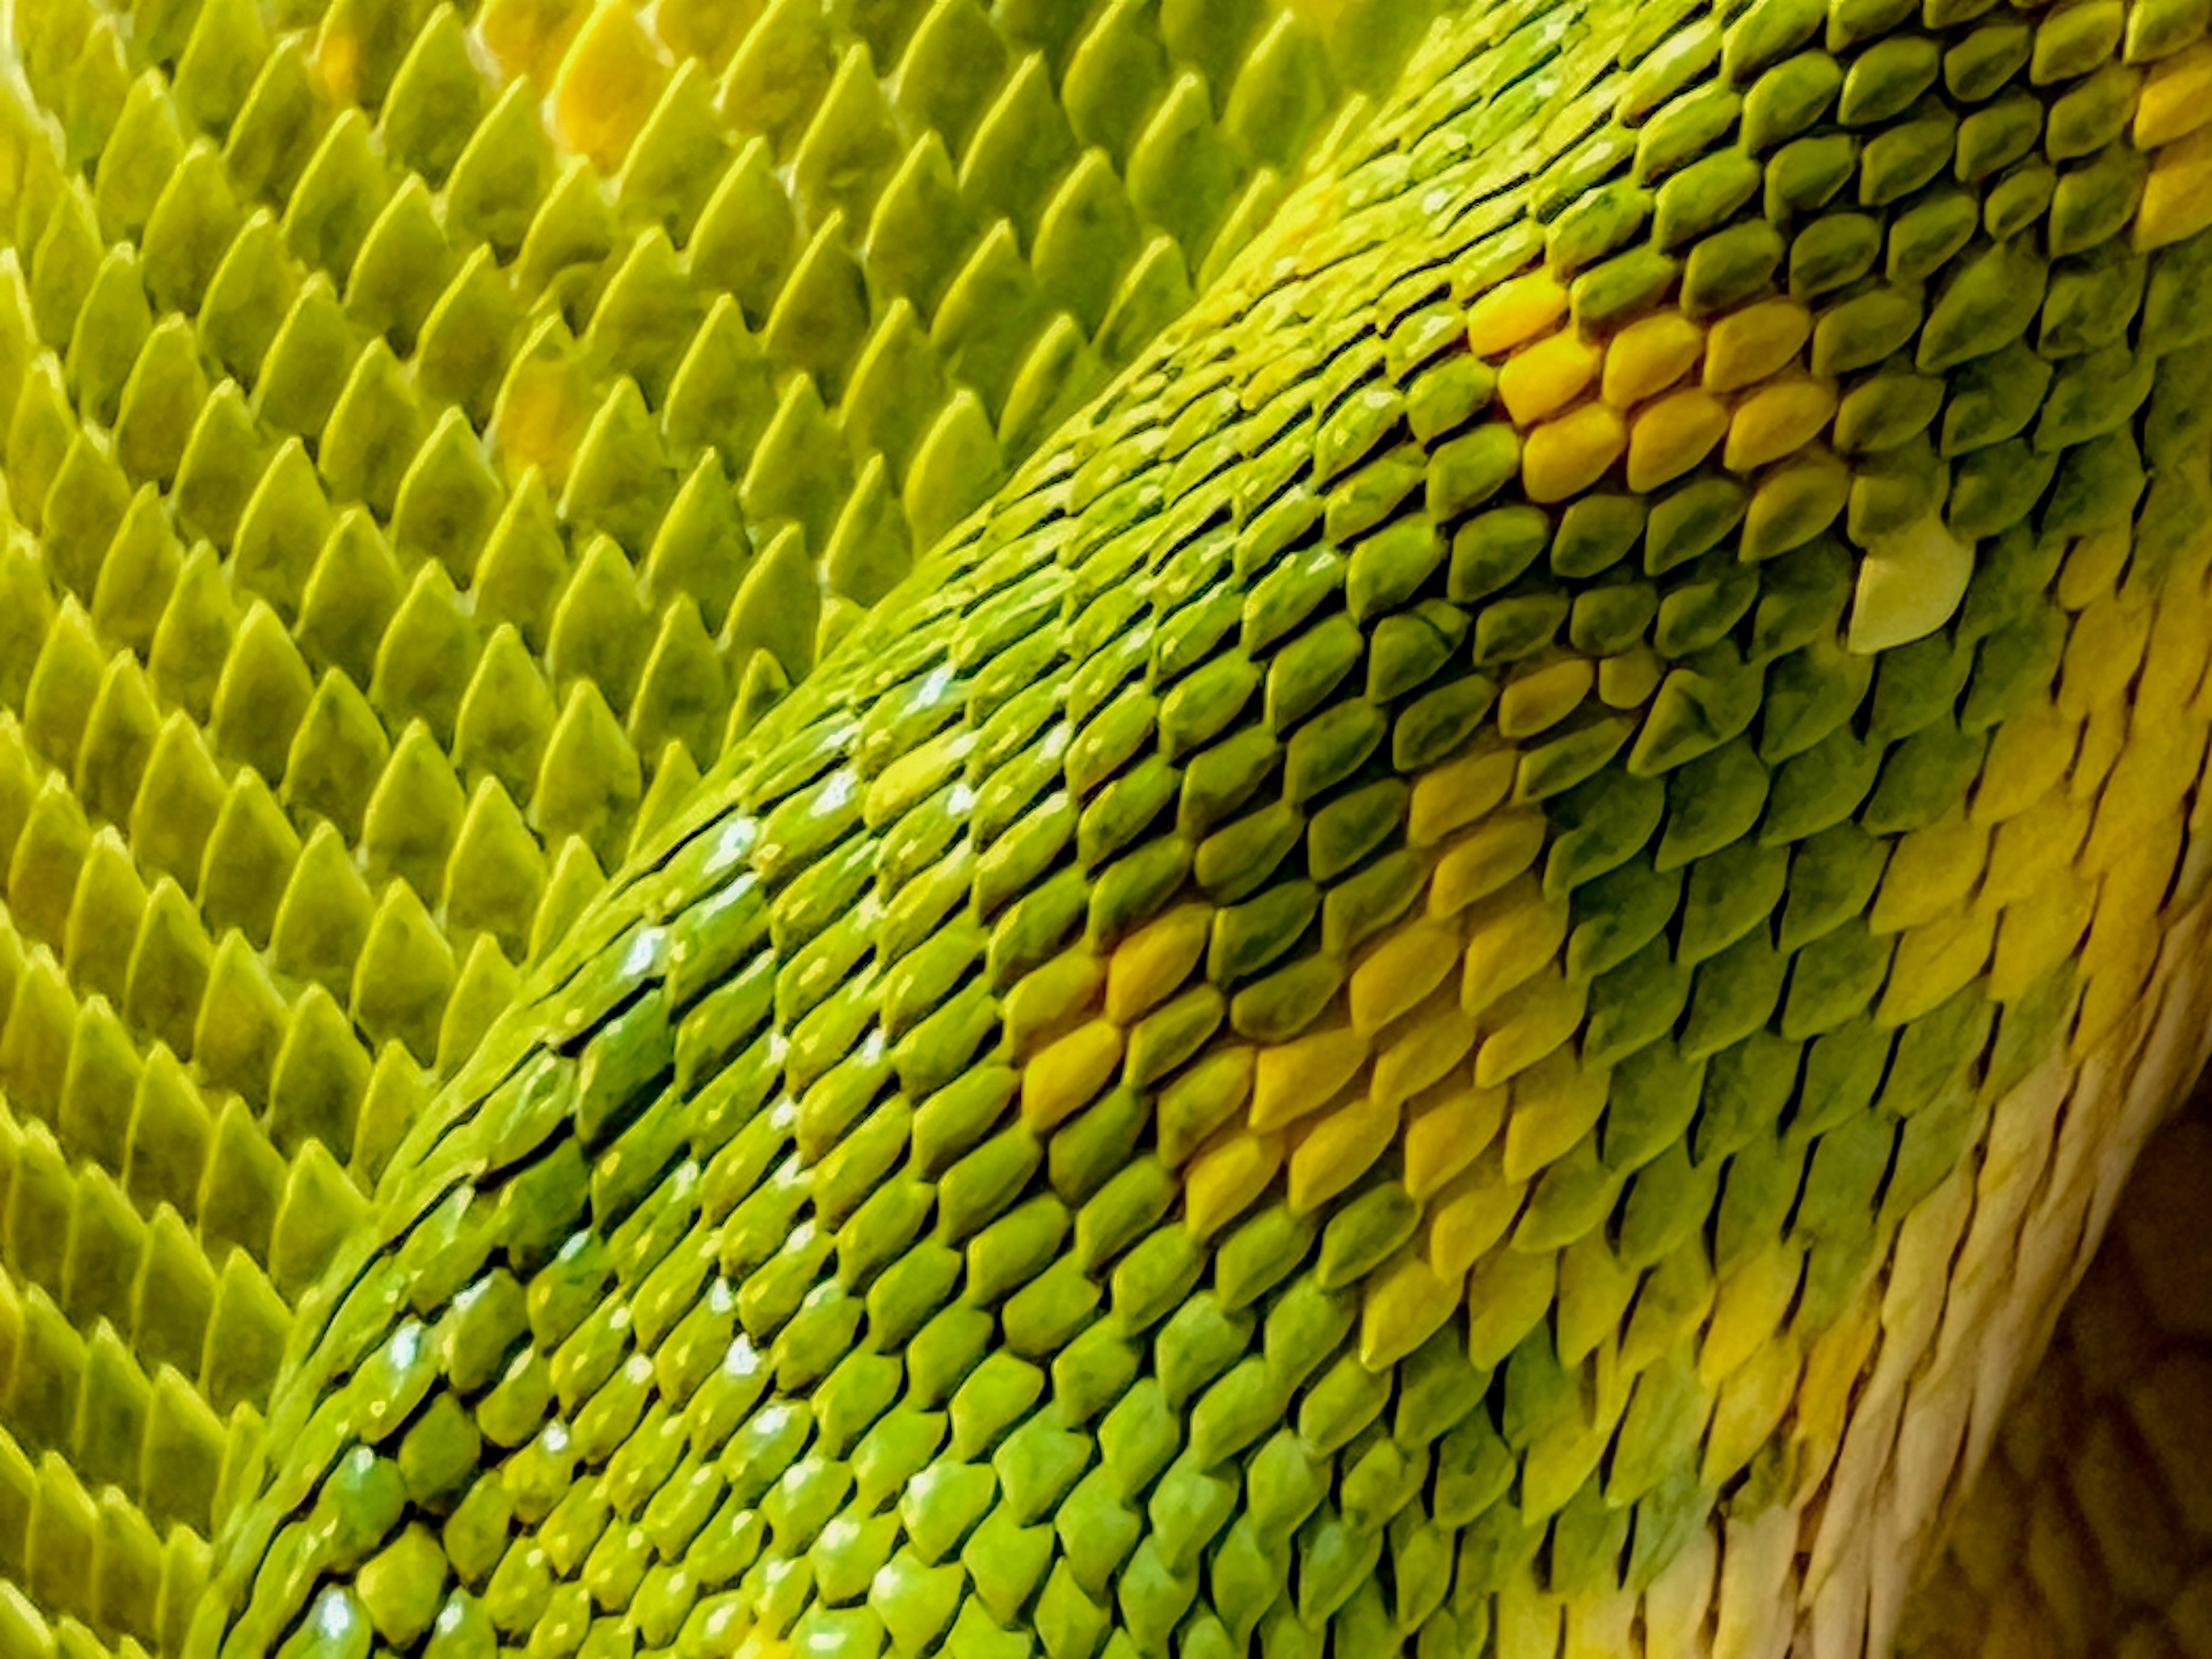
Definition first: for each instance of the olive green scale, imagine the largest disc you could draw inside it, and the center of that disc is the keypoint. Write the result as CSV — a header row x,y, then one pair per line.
x,y
736,1182
732,1284
219,67
770,1132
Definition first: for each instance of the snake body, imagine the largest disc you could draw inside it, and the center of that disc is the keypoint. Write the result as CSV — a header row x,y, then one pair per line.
x,y
1404,802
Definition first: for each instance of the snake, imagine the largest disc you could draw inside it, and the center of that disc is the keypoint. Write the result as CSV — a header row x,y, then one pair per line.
x,y
1094,828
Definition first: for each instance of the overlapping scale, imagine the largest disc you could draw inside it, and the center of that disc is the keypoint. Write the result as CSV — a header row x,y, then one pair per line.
x,y
383,506
1349,1093
1417,947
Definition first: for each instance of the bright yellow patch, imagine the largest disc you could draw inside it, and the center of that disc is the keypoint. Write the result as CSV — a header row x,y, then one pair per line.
x,y
1548,377
1649,355
1293,1078
1934,962
2125,936
2173,663
1446,1130
1565,457
1555,1103
1331,1151
543,411
2176,98
1513,313
1673,435
1595,1291
2028,756
1909,585
2041,838
608,84
2147,788
2107,642
528,36
1778,420
1752,1404
1069,1074
1515,933
1227,1175
1403,1306
1050,998
2038,935
1430,1045
1154,961
2177,198
338,64
1530,1022
1751,1304
1470,1215
1930,871
1832,1371
2104,735
1399,972
1485,858
1457,793
1506,1295
912,776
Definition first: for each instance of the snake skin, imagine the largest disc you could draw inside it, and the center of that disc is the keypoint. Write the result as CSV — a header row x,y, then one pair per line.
x,y
1404,804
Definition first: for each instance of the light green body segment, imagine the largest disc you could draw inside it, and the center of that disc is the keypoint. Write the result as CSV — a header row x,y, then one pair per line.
x,y
1437,752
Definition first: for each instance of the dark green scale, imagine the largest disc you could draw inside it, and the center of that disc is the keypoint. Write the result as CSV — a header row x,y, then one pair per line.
x,y
757,1224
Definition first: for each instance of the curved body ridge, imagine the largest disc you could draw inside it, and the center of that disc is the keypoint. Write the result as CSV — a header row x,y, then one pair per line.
x,y
1465,973
1242,1072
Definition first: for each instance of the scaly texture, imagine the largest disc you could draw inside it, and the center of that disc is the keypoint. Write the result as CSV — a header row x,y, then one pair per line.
x,y
2088,1533
1463,974
401,522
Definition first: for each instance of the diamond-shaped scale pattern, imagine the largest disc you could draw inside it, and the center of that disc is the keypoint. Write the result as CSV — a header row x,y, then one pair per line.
x,y
397,566
1459,978
604,362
